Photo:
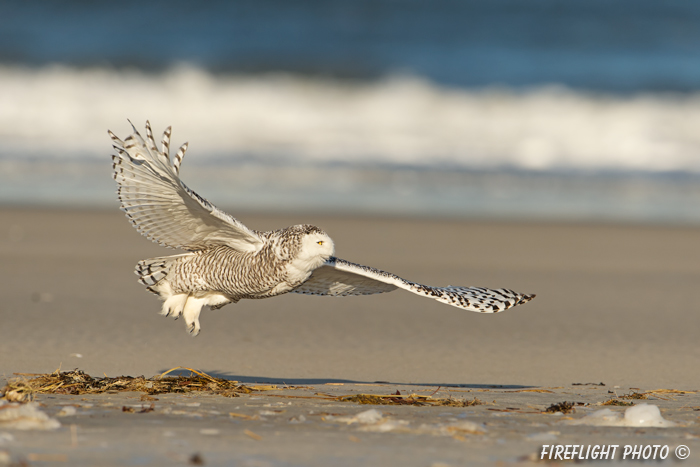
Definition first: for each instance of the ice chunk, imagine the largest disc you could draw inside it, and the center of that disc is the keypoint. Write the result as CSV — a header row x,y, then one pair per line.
x,y
642,415
645,415
386,425
369,416
25,417
371,420
365,418
67,411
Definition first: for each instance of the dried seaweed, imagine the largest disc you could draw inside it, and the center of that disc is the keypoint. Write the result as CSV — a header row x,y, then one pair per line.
x,y
563,407
634,395
620,400
533,390
457,402
379,400
617,402
669,391
412,399
150,408
77,382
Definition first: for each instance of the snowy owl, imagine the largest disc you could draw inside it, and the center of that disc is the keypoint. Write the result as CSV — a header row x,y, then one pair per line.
x,y
225,261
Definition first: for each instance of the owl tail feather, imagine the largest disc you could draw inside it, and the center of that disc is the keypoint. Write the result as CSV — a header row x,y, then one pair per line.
x,y
153,273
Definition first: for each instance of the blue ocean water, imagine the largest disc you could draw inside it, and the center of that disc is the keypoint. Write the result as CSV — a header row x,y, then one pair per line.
x,y
605,45
546,108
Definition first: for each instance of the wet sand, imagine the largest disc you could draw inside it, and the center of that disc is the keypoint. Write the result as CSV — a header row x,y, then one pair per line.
x,y
615,304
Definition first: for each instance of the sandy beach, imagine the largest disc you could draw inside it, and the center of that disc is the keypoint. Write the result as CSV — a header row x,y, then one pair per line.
x,y
615,305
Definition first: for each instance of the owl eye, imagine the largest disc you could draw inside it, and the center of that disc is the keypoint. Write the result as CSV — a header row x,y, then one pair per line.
x,y
320,242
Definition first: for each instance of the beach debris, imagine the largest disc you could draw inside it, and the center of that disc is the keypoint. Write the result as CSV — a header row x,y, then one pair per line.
x,y
27,416
589,384
144,409
196,459
618,402
532,390
561,407
253,435
67,411
656,393
669,391
412,399
11,395
77,382
513,409
634,395
298,419
244,416
642,415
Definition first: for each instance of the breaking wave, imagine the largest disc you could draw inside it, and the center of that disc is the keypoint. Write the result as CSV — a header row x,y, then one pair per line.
x,y
58,112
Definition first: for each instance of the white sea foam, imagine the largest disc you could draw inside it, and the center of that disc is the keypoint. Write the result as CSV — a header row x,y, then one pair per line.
x,y
58,112
292,143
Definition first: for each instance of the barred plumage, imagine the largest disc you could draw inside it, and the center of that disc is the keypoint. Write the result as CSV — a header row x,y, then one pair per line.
x,y
226,261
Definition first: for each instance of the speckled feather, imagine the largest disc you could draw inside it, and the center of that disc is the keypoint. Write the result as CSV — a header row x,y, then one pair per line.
x,y
163,208
226,261
340,278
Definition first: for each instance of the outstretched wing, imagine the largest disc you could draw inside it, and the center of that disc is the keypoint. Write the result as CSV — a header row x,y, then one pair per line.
x,y
337,277
163,208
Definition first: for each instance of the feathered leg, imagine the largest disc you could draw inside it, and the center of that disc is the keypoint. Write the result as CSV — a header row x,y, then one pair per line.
x,y
191,313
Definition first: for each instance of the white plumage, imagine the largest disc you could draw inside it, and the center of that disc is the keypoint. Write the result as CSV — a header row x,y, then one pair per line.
x,y
226,261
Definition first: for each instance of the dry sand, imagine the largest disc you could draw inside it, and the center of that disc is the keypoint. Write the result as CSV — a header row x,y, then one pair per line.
x,y
615,304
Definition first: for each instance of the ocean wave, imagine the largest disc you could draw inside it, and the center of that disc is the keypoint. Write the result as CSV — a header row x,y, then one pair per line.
x,y
59,112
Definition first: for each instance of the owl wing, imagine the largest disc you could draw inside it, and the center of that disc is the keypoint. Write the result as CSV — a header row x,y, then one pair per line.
x,y
163,208
337,277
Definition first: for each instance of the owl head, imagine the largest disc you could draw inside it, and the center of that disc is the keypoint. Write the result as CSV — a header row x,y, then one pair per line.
x,y
315,246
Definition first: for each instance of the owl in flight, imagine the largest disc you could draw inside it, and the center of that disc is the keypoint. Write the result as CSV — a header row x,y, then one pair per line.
x,y
225,261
